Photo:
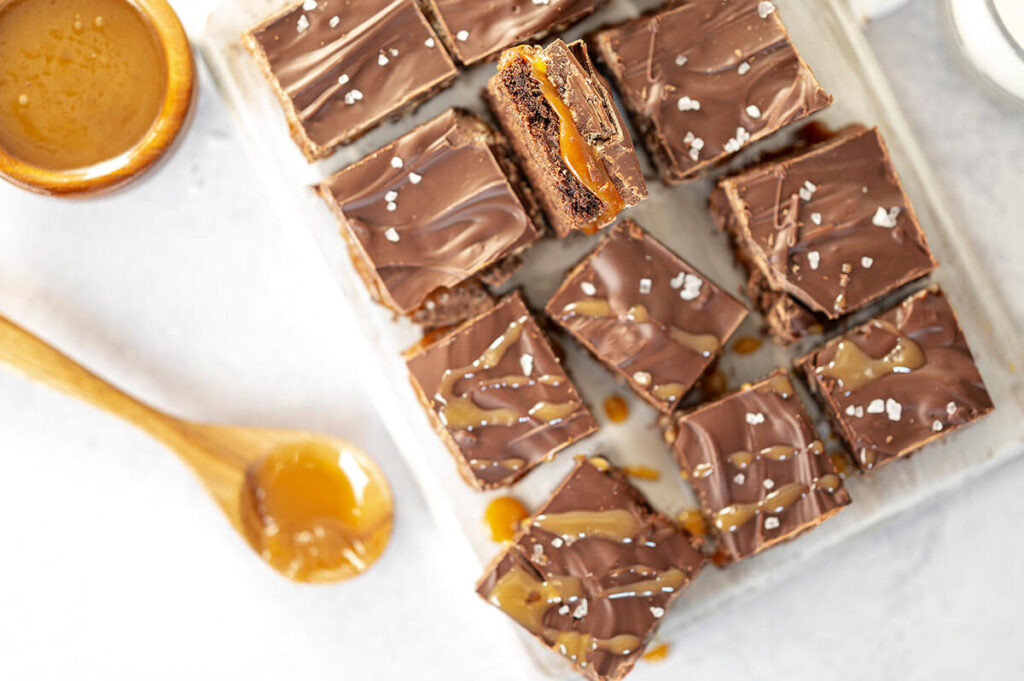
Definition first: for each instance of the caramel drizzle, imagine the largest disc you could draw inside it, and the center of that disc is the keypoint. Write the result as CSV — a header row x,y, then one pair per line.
x,y
742,458
668,581
702,344
854,369
670,392
527,600
780,385
616,524
459,411
732,517
579,156
518,381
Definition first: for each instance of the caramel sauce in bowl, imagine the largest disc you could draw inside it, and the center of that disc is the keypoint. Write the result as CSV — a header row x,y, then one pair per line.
x,y
93,93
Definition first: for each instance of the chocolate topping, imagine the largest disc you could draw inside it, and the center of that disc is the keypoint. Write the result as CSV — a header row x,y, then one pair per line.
x,y
757,466
704,78
430,210
573,143
594,573
899,381
498,396
646,314
343,67
475,30
829,227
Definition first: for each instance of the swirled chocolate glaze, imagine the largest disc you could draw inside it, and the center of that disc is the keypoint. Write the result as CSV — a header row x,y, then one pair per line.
x,y
900,381
646,314
829,227
703,78
475,30
757,466
431,209
594,573
568,133
340,67
498,396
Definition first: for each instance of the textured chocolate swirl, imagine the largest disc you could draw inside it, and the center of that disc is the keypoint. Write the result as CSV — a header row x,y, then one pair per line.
x,y
899,381
475,30
431,209
596,594
830,226
757,466
498,395
703,78
342,67
646,314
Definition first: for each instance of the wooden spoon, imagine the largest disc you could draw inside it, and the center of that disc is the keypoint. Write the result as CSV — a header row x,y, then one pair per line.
x,y
314,507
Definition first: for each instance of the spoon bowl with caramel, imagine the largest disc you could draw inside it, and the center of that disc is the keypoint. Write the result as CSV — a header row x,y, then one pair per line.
x,y
313,507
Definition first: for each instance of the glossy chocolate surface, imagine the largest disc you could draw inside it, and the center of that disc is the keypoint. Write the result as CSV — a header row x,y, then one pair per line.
x,y
601,568
540,129
899,381
343,66
475,30
498,395
431,209
646,314
758,467
703,78
830,227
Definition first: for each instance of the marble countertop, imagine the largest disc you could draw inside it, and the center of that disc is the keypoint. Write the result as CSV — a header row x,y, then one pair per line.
x,y
186,290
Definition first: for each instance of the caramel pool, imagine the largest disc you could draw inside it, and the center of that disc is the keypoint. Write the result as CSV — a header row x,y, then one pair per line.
x,y
81,81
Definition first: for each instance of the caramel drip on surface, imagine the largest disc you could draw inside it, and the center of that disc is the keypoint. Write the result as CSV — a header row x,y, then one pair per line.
x,y
670,392
459,411
658,653
829,483
780,385
668,582
512,463
854,369
616,408
617,524
579,156
526,600
732,517
703,470
693,523
704,344
642,472
742,459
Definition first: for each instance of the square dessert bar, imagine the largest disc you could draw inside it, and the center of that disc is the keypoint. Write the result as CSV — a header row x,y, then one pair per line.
x,y
758,467
900,381
646,314
823,232
340,67
498,396
703,78
593,573
431,210
561,120
476,30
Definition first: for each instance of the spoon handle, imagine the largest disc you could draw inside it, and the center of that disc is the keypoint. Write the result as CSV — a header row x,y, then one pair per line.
x,y
37,360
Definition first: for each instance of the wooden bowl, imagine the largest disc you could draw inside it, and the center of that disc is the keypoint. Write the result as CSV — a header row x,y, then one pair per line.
x,y
124,168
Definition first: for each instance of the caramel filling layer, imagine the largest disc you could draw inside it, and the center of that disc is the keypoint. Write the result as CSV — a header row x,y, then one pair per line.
x,y
579,156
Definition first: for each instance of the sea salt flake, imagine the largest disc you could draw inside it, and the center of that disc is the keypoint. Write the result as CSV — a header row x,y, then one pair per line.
x,y
541,2
353,96
564,610
393,51
866,262
876,407
814,259
392,206
526,362
754,418
937,426
302,24
771,523
391,195
739,478
736,143
951,408
691,287
677,281
538,549
391,234
807,190
382,59
557,542
816,218
681,60
886,218
462,36
764,8
744,68
397,162
581,610
768,483
645,286
309,5
893,409
333,23
588,288
342,79
657,612
753,111
687,104
429,42
642,378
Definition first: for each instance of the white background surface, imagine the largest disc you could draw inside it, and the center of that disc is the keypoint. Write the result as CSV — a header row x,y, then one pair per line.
x,y
186,291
